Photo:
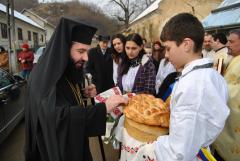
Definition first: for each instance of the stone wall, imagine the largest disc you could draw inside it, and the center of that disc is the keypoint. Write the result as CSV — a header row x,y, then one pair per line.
x,y
150,26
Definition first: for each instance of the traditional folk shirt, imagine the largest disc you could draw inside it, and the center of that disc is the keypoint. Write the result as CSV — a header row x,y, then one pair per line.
x,y
228,143
198,113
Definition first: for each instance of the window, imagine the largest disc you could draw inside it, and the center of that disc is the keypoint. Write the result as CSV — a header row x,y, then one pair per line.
x,y
20,35
29,36
42,38
4,31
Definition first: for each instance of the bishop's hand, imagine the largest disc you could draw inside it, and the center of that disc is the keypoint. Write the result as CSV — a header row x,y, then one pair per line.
x,y
90,91
115,101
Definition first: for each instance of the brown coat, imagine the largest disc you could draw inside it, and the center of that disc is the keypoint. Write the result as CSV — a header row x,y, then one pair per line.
x,y
4,60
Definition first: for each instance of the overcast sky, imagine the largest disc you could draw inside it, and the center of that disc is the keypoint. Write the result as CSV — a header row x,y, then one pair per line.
x,y
99,3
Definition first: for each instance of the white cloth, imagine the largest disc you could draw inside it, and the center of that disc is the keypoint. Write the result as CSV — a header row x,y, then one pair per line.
x,y
132,149
198,113
115,72
163,71
129,78
208,54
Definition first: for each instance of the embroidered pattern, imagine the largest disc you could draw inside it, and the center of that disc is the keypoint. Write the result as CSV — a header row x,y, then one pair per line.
x,y
132,150
147,158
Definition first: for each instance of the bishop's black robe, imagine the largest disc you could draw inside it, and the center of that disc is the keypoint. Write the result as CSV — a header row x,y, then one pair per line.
x,y
57,128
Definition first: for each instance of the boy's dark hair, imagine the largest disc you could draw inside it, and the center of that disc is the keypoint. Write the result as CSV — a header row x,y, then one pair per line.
x,y
181,26
221,37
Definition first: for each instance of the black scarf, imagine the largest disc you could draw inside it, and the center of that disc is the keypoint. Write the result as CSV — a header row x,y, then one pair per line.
x,y
135,61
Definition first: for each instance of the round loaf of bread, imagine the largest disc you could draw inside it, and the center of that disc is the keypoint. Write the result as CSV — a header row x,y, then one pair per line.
x,y
143,133
146,109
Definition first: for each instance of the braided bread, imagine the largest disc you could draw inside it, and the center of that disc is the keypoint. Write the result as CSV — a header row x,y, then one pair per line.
x,y
148,110
143,133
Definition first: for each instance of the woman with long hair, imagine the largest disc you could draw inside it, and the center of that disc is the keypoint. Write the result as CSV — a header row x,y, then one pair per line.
x,y
137,71
118,42
158,53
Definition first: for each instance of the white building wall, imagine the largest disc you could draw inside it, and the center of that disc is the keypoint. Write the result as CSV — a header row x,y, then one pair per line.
x,y
25,28
49,29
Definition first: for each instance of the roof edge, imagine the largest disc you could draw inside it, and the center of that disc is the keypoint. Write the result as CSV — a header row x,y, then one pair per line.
x,y
236,5
38,17
136,19
222,27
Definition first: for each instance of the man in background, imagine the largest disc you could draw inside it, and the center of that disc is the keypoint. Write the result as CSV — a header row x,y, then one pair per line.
x,y
100,65
207,49
218,44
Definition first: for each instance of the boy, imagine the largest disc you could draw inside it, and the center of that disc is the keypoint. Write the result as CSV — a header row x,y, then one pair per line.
x,y
198,105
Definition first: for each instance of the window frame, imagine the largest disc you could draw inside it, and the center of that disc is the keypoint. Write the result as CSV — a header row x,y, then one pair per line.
x,y
29,35
20,33
4,30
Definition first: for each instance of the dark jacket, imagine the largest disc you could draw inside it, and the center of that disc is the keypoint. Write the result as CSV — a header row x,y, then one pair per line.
x,y
101,68
145,79
4,60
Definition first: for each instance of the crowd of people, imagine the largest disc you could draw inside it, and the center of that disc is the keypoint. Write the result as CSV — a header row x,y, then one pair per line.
x,y
185,60
128,63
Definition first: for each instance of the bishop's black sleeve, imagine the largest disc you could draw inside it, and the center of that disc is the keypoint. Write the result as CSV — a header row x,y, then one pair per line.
x,y
96,120
90,120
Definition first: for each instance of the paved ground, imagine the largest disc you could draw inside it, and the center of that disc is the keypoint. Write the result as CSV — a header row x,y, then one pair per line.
x,y
12,148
